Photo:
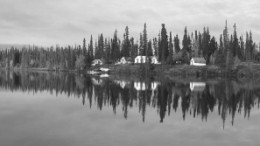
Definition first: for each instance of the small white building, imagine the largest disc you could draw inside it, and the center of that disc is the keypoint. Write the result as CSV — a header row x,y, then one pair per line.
x,y
154,60
197,86
124,60
198,61
144,59
140,59
97,62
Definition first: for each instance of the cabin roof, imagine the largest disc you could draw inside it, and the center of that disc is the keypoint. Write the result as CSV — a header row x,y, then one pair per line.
x,y
139,56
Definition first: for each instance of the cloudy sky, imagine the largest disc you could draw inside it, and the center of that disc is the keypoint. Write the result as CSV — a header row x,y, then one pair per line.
x,y
50,22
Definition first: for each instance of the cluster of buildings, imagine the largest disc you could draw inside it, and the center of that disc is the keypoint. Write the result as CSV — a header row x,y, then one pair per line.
x,y
128,60
195,61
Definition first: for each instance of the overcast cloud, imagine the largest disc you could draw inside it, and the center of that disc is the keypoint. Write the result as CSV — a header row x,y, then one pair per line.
x,y
50,22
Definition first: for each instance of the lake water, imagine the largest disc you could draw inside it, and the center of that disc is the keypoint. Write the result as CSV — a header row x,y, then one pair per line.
x,y
61,109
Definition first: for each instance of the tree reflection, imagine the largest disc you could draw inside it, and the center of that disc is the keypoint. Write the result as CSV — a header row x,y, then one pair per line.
x,y
195,99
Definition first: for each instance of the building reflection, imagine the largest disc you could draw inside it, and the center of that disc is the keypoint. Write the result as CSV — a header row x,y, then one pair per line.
x,y
195,99
197,86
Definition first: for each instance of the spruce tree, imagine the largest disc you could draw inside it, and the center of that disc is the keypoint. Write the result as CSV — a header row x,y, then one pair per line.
x,y
96,50
91,49
84,47
235,45
212,48
141,49
206,45
221,44
145,43
169,59
228,52
155,47
177,44
150,48
250,47
200,45
242,48
226,38
134,49
115,50
195,45
186,42
100,49
126,44
106,50
163,45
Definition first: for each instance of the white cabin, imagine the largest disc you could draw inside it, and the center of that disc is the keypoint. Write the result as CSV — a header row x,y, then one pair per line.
x,y
124,60
140,59
144,59
154,60
198,61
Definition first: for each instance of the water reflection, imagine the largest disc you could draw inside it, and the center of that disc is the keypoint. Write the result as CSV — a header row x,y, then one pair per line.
x,y
197,86
195,99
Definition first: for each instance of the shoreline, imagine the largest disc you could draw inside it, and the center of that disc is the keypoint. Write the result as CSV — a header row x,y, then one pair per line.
x,y
245,70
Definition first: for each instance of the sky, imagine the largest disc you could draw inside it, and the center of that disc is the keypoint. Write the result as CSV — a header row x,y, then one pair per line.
x,y
67,22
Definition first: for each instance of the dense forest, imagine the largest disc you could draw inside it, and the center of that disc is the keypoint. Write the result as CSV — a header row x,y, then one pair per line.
x,y
168,48
226,97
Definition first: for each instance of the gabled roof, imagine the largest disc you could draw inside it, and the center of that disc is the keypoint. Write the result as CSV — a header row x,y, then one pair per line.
x,y
199,59
140,56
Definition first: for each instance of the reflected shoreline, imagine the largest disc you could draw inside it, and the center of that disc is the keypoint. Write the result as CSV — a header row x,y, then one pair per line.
x,y
195,98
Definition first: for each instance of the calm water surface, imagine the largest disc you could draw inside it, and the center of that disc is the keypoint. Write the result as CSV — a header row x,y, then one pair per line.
x,y
49,109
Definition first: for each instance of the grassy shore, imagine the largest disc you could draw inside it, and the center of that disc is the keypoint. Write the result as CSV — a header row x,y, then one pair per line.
x,y
176,70
242,70
34,69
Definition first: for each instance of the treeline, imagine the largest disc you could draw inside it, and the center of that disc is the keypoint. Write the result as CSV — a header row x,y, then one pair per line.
x,y
226,97
229,50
